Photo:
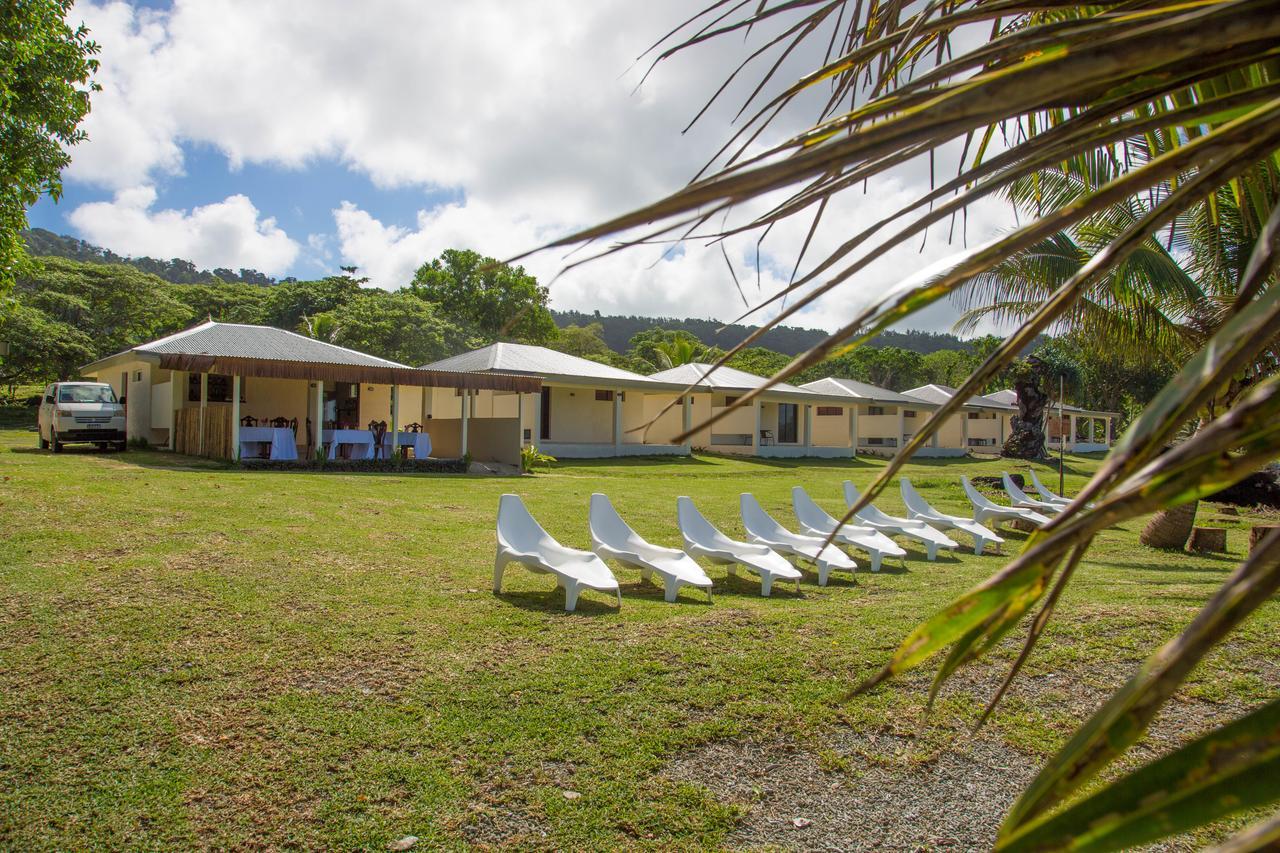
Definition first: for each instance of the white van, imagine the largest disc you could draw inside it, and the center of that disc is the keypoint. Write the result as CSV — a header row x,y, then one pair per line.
x,y
85,412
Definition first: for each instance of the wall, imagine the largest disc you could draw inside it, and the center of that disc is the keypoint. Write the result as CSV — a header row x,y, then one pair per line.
x,y
877,426
985,426
831,430
492,440
633,418
668,426
577,416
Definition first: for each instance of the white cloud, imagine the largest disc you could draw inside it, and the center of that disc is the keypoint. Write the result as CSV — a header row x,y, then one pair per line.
x,y
228,233
527,109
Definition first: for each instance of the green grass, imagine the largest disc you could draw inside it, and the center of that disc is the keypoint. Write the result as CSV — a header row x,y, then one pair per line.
x,y
192,655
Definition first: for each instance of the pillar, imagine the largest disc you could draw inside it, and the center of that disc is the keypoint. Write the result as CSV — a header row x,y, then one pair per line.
x,y
204,404
964,431
808,425
395,421
755,433
933,439
686,420
1072,421
520,419
902,427
1107,435
853,430
617,421
535,433
177,400
235,418
317,419
466,411
1000,418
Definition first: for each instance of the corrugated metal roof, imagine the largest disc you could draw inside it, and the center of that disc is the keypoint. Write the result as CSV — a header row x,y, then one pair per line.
x,y
1009,399
723,379
939,394
858,390
237,340
536,361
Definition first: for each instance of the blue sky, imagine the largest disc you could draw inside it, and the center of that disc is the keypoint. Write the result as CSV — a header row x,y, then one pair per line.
x,y
294,137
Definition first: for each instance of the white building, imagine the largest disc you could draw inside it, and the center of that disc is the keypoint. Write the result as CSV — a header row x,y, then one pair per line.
x,y
885,420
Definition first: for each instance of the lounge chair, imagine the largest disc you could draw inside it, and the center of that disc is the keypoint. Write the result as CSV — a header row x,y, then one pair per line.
x,y
1045,494
702,539
1021,499
987,510
818,522
613,539
892,525
920,510
522,540
764,530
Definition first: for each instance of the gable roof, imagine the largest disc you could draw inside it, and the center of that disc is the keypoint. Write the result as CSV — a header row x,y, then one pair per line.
x,y
265,351
859,391
730,379
529,360
939,394
1009,398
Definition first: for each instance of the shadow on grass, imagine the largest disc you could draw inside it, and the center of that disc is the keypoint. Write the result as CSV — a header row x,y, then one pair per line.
x,y
590,603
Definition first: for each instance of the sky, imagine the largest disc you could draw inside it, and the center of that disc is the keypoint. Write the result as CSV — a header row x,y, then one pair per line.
x,y
297,137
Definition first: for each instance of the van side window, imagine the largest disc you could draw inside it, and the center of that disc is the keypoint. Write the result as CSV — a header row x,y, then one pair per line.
x,y
48,394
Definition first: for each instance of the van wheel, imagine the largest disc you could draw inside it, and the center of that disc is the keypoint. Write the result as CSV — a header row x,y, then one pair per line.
x,y
44,443
54,444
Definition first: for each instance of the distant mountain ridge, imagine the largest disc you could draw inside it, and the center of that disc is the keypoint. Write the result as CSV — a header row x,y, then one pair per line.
x,y
789,340
618,328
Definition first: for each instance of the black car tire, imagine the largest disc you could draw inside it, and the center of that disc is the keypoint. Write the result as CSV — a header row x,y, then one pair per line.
x,y
44,442
54,444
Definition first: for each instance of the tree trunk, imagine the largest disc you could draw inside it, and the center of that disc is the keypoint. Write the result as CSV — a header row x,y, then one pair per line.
x,y
1170,528
1026,429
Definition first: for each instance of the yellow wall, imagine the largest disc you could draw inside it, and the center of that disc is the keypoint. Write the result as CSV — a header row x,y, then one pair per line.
x,y
831,430
577,416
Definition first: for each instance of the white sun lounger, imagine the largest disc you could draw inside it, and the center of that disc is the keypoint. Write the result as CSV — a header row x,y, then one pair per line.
x,y
986,510
892,525
763,529
522,540
1045,494
702,539
613,539
1021,499
920,509
817,521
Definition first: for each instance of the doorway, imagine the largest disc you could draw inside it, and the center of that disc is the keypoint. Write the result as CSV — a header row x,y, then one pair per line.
x,y
342,406
787,423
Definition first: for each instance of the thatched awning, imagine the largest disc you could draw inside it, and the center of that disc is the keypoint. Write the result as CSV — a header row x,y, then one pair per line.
x,y
371,374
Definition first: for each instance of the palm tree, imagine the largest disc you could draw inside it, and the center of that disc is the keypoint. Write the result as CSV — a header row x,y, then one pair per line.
x,y
1053,83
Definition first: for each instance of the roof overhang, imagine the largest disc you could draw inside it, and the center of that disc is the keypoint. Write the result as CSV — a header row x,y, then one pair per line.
x,y
354,373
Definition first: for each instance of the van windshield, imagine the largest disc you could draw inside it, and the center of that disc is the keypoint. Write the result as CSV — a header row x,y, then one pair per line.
x,y
86,394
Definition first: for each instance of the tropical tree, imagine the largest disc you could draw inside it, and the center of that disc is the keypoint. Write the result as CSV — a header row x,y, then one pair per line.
x,y
1051,83
661,349
495,301
583,341
39,349
45,70
396,326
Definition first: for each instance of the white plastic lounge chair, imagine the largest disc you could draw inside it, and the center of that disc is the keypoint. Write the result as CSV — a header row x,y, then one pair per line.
x,y
1021,499
892,525
1045,494
522,540
987,510
613,539
920,509
702,539
763,529
817,521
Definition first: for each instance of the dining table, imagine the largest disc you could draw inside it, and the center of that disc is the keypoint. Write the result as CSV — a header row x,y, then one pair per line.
x,y
419,441
279,442
359,440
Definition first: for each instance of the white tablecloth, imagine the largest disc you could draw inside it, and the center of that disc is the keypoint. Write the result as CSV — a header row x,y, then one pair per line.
x,y
419,441
361,441
281,440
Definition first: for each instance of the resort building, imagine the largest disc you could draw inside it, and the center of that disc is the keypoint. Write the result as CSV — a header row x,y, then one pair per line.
x,y
884,420
983,423
194,392
584,409
1087,430
782,422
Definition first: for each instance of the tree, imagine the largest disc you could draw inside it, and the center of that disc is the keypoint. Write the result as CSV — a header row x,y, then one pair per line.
x,y
395,326
1026,429
947,367
494,301
40,349
887,367
288,302
45,70
1179,100
760,361
583,341
661,349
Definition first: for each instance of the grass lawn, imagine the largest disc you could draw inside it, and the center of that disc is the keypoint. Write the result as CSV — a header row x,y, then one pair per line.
x,y
197,656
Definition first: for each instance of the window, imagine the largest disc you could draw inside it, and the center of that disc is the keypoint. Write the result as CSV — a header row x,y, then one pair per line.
x,y
875,440
219,388
825,411
86,394
908,413
875,410
604,396
729,401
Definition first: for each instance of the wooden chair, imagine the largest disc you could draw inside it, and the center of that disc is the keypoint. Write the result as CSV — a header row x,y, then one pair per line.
x,y
766,437
293,425
379,430
248,421
279,423
413,427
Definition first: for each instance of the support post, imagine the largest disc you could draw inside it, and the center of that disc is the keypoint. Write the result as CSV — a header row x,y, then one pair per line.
x,y
204,404
317,418
535,432
1000,418
466,412
395,421
1073,433
686,419
235,418
853,429
520,418
808,425
1107,434
964,431
617,421
755,433
902,427
177,400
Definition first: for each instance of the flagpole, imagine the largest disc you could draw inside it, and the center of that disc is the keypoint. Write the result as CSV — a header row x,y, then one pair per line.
x,y
1062,443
